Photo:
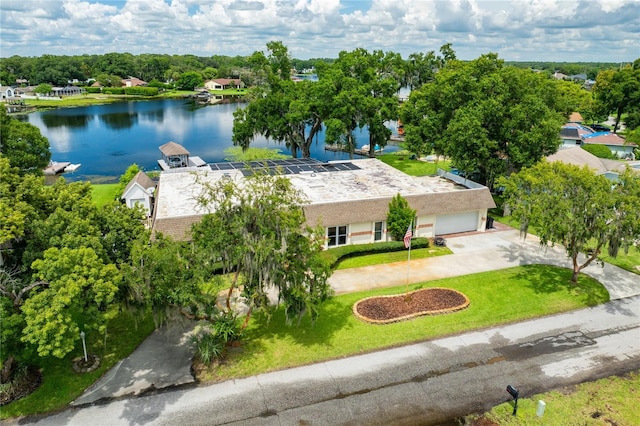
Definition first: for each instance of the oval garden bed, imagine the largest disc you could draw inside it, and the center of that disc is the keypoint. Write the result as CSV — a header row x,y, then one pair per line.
x,y
399,307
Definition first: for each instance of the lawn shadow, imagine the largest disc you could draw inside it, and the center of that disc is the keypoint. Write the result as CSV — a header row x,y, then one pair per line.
x,y
333,317
549,279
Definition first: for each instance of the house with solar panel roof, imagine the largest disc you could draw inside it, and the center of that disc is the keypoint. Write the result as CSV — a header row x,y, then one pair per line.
x,y
349,199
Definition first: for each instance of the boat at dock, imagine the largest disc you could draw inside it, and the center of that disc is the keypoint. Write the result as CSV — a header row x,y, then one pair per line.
x,y
364,151
72,167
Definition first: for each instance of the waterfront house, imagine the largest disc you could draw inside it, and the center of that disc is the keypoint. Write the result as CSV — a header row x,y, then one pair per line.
x,y
133,82
349,199
223,83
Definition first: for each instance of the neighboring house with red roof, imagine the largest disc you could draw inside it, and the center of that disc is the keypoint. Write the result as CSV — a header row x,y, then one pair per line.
x,y
617,144
140,191
133,82
223,83
574,134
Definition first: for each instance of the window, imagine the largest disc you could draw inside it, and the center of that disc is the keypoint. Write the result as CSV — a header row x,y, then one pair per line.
x,y
377,231
337,236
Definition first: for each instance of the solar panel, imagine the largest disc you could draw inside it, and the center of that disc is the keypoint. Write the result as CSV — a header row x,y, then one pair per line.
x,y
288,166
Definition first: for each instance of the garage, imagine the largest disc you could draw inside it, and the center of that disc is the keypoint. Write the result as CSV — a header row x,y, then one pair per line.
x,y
456,222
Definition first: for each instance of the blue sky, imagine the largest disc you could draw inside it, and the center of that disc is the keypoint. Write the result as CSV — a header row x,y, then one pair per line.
x,y
523,30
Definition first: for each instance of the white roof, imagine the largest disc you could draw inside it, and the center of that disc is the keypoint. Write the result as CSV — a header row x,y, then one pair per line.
x,y
178,191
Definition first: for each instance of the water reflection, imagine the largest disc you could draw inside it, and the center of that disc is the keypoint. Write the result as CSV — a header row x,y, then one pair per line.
x,y
119,120
78,121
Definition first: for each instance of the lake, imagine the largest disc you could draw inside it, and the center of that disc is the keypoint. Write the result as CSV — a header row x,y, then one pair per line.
x,y
106,139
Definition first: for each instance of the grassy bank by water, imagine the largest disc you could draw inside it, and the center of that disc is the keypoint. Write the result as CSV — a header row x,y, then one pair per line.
x,y
99,99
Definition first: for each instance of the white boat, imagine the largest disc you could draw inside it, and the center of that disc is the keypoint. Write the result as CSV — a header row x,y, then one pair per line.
x,y
72,167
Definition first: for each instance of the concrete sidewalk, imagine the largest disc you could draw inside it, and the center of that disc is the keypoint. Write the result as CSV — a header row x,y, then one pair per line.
x,y
164,359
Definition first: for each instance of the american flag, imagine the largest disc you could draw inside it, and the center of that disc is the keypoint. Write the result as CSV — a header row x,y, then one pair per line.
x,y
407,237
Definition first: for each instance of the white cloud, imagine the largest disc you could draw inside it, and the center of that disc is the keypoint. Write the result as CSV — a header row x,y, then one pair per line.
x,y
568,30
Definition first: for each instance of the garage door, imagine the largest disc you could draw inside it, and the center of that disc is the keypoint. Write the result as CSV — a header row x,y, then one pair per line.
x,y
457,222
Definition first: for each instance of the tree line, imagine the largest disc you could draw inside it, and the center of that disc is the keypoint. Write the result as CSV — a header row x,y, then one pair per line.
x,y
60,69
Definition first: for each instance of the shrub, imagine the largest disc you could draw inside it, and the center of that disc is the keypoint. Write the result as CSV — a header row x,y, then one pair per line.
x,y
400,217
113,90
141,91
599,151
227,326
335,255
94,89
209,346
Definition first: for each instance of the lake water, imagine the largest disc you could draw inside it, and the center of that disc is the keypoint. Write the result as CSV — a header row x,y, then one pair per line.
x,y
106,139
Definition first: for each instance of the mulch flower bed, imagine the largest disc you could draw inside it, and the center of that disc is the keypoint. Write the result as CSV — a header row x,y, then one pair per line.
x,y
399,307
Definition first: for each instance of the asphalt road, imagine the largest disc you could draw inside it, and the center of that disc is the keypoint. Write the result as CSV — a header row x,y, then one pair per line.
x,y
427,383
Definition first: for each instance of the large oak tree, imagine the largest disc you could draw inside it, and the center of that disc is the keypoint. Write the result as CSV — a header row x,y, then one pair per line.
x,y
488,118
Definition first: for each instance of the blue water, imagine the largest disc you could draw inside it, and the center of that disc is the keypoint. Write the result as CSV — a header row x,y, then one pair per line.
x,y
106,139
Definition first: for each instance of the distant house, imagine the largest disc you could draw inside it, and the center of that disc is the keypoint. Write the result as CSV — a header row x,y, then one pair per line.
x,y
617,144
574,134
571,134
559,76
67,91
21,81
223,83
7,92
133,82
140,191
579,157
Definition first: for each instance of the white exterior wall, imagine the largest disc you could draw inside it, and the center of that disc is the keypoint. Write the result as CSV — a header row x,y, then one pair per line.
x,y
136,194
424,226
363,233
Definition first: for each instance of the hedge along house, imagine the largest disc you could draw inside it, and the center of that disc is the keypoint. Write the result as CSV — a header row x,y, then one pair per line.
x,y
350,199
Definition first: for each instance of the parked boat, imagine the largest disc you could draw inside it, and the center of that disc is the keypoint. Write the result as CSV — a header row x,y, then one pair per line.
x,y
72,167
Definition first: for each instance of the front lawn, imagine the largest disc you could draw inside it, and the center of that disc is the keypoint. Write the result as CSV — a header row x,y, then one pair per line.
x,y
497,297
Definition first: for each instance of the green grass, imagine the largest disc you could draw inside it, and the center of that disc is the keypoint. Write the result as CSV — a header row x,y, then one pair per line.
x,y
497,297
396,256
61,384
608,401
629,261
402,162
104,193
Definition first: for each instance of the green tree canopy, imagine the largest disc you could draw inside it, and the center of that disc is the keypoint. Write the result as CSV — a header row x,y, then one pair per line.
x,y
262,215
44,88
618,91
189,80
23,144
573,207
486,117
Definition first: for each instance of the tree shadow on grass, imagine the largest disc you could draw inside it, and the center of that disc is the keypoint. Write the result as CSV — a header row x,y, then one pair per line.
x,y
549,279
333,316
